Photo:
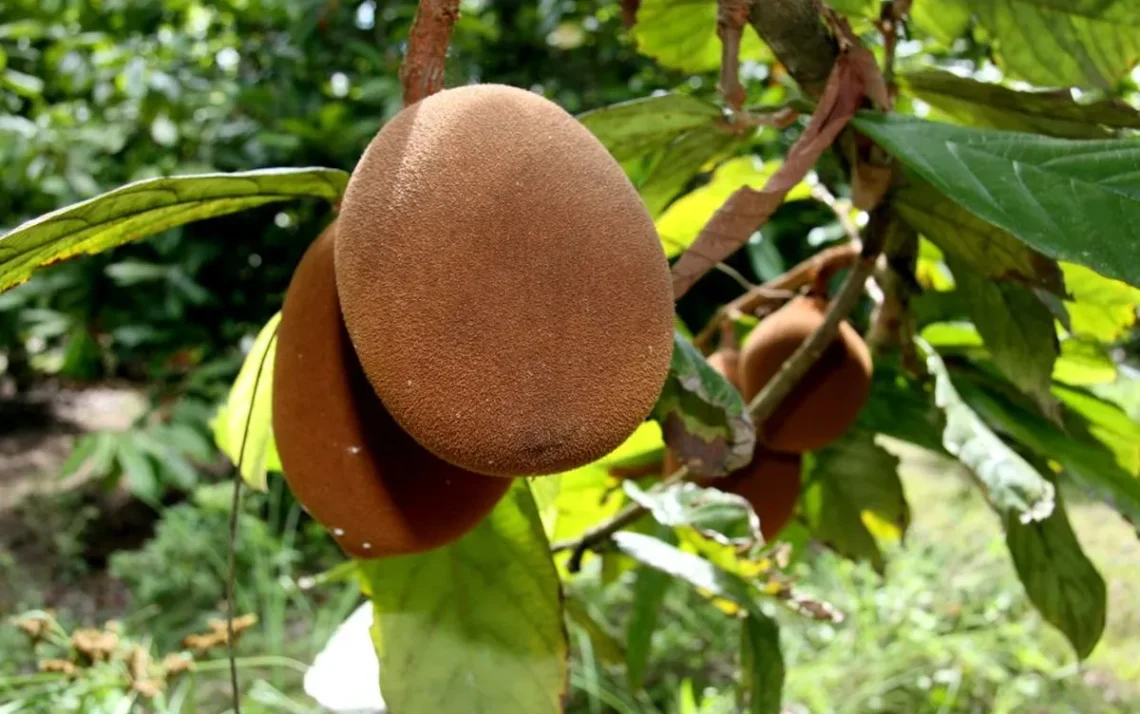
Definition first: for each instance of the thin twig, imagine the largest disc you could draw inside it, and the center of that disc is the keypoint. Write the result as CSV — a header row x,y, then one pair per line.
x,y
731,16
421,74
235,508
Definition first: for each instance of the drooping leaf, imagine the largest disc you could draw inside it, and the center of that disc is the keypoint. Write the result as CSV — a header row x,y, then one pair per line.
x,y
1060,580
1062,43
230,423
762,665
1012,485
681,160
681,34
1072,200
475,626
984,247
151,206
682,222
641,126
982,104
1016,327
649,591
704,419
1087,462
1102,308
693,569
847,482
945,20
1107,423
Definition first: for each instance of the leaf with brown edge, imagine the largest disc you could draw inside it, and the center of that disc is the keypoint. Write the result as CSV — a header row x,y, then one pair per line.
x,y
747,209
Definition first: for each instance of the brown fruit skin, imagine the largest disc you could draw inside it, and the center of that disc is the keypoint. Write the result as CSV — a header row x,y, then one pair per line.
x,y
770,483
347,461
826,402
503,284
726,361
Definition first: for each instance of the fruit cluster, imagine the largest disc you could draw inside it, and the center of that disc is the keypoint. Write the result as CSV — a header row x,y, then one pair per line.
x,y
491,302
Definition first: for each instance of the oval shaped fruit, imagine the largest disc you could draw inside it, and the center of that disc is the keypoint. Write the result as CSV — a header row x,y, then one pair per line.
x,y
827,400
726,361
504,286
347,461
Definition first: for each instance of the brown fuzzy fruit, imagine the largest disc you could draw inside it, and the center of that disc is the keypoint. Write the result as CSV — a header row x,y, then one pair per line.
x,y
770,483
826,402
347,461
503,284
726,361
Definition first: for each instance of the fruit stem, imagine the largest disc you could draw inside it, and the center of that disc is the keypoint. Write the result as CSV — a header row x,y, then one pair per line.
x,y
421,74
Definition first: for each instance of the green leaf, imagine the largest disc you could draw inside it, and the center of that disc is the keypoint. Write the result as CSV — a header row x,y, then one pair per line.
x,y
846,485
138,470
1072,200
683,221
649,591
982,104
1087,462
681,34
1083,363
762,666
696,571
945,20
475,626
1060,580
1102,308
1016,327
606,647
151,206
986,248
243,406
1011,483
901,408
713,512
1107,423
639,127
681,160
26,85
704,419
1063,43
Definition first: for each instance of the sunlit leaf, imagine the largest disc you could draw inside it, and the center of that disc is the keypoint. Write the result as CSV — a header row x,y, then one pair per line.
x,y
945,20
1102,308
244,406
1072,200
1060,580
151,206
475,626
641,126
681,34
1083,363
682,159
1107,423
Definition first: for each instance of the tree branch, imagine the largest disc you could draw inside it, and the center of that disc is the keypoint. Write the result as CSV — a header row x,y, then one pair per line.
x,y
800,41
421,74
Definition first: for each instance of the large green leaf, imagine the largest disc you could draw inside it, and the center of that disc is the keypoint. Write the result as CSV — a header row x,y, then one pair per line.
x,y
151,206
986,248
649,591
902,408
475,626
1017,328
1059,578
1088,462
1062,43
682,159
1072,200
680,225
681,34
641,126
704,419
1107,423
848,484
1102,308
1012,485
982,104
1083,363
762,664
247,417
945,20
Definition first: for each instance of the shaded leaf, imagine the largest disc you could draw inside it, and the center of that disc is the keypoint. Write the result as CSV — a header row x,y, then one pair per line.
x,y
1087,462
704,419
1017,329
1107,423
1060,580
762,664
1055,113
1011,483
1062,43
902,408
680,225
681,34
681,160
606,647
641,126
138,470
844,483
243,405
1072,200
649,591
151,206
474,626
